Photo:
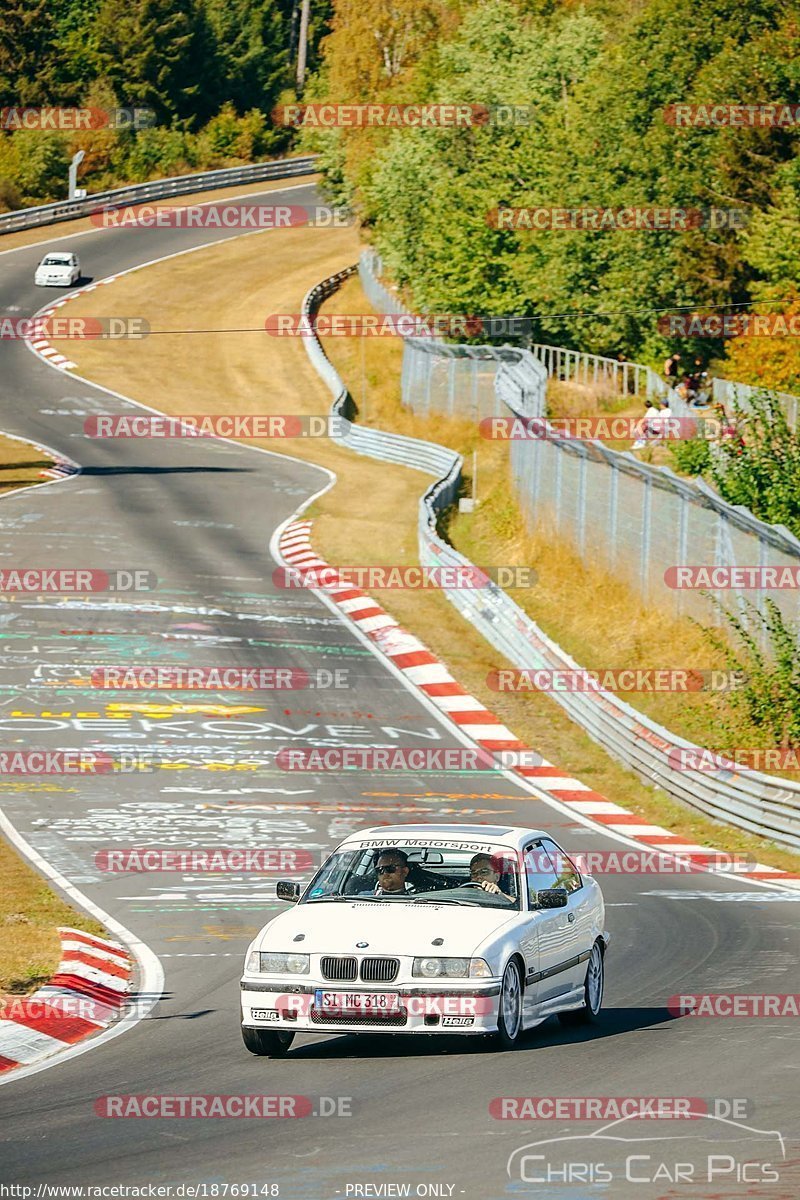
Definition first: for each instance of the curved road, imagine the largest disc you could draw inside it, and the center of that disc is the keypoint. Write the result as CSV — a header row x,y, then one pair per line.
x,y
200,516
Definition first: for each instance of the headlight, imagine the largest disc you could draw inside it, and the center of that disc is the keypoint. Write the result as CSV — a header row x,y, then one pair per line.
x,y
260,962
441,968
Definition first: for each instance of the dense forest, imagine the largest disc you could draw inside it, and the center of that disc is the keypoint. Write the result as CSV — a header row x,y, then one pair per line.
x,y
595,80
211,71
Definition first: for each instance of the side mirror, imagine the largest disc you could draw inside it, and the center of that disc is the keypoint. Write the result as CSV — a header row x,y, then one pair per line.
x,y
551,898
286,890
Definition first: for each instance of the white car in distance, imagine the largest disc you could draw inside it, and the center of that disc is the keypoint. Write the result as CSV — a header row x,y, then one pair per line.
x,y
58,268
429,929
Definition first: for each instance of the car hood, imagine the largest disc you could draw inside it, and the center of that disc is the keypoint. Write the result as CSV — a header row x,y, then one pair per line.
x,y
387,928
61,269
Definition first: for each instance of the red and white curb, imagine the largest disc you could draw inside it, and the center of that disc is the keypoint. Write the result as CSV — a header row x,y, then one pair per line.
x,y
41,346
421,668
85,995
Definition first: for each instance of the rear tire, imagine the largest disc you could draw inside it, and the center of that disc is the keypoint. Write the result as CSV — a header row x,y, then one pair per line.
x,y
267,1043
509,1009
593,988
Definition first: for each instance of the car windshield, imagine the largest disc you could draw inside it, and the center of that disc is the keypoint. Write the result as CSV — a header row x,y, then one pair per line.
x,y
480,875
56,260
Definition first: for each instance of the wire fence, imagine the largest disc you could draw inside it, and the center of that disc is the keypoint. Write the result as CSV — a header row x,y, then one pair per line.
x,y
638,520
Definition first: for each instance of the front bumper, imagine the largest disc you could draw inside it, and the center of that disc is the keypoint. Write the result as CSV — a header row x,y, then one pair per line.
x,y
420,1009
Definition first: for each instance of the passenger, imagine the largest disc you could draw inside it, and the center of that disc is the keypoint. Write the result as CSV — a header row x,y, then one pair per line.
x,y
486,870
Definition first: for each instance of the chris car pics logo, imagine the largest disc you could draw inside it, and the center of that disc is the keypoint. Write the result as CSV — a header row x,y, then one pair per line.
x,y
713,1151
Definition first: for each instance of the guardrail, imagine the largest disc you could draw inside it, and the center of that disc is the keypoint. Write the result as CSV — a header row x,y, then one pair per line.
x,y
755,802
157,189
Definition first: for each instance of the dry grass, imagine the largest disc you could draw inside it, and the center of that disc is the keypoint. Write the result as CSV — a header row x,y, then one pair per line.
x,y
30,913
371,514
21,465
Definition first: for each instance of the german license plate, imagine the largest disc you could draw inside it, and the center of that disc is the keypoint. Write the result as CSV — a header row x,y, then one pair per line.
x,y
357,1002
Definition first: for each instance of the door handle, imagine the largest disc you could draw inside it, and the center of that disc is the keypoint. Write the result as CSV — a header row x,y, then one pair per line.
x,y
570,917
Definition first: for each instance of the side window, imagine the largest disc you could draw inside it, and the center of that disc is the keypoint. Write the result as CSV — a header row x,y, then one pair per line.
x,y
539,872
567,873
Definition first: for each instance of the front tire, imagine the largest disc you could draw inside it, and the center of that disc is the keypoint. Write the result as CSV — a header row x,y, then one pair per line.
x,y
593,989
509,1014
267,1043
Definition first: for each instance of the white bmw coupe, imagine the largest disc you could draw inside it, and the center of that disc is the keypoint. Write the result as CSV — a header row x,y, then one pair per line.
x,y
58,269
429,929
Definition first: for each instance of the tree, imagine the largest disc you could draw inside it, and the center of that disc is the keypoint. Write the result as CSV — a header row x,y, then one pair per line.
x,y
26,53
161,54
253,37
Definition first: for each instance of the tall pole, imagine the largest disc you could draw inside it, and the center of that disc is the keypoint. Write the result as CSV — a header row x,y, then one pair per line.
x,y
302,48
73,173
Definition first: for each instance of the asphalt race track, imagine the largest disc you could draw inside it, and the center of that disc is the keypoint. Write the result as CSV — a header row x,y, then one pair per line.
x,y
199,515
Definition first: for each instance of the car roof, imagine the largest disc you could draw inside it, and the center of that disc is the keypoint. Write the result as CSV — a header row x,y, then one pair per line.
x,y
65,254
506,835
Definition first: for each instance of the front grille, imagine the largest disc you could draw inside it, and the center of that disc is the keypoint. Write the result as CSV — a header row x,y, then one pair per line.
x,y
379,970
340,969
321,1017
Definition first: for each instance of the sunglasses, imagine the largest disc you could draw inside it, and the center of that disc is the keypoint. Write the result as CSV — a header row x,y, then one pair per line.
x,y
388,870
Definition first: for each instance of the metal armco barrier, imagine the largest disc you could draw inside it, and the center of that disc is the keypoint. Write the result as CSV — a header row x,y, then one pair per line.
x,y
158,189
753,801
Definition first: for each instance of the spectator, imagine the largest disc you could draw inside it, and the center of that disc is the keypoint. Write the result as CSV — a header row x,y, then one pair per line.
x,y
648,428
671,368
665,422
684,389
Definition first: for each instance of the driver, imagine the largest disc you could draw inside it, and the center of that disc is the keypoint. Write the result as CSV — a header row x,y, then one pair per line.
x,y
391,867
485,870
